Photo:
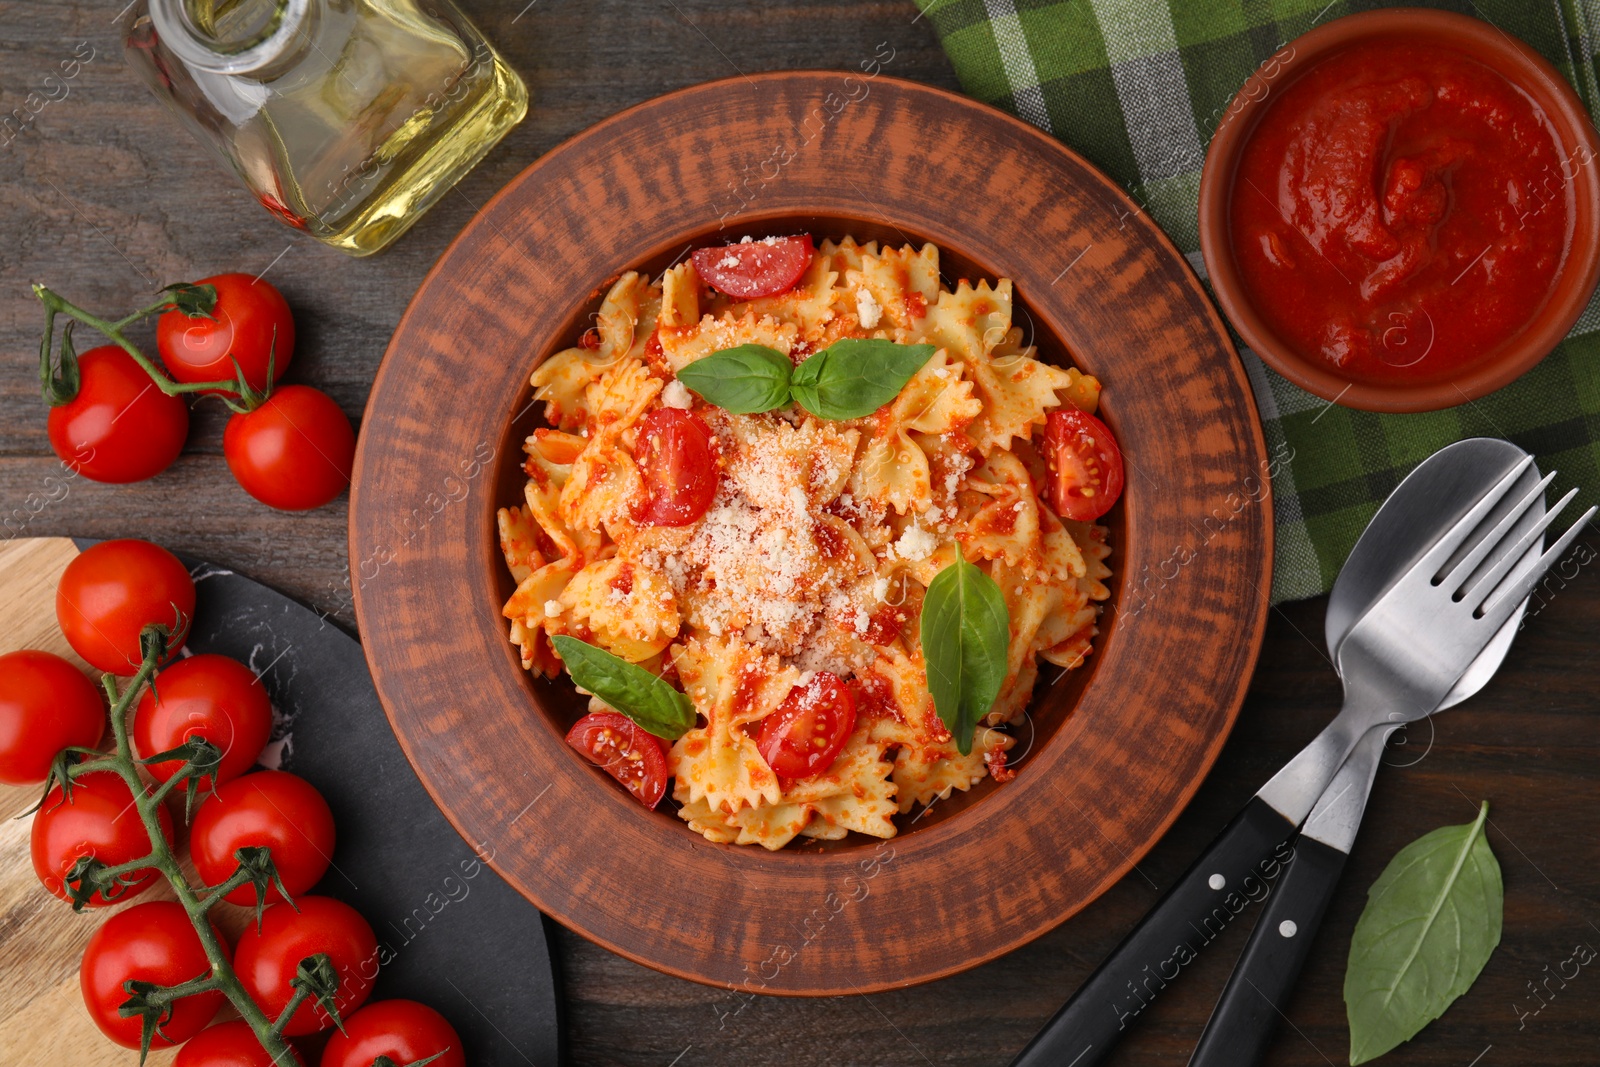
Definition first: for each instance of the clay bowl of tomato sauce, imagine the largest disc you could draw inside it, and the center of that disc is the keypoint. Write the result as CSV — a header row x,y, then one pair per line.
x,y
1400,211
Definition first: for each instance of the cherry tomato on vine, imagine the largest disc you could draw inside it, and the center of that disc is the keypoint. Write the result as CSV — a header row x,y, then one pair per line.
x,y
1085,463
46,705
294,452
272,809
100,821
231,1044
808,730
111,591
150,942
119,428
679,465
624,750
403,1030
209,696
754,269
266,959
251,324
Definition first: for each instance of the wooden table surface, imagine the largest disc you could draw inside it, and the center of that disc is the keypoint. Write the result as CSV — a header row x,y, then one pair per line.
x,y
104,198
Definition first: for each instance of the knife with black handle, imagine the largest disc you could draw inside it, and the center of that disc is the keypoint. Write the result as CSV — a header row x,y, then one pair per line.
x,y
1246,1016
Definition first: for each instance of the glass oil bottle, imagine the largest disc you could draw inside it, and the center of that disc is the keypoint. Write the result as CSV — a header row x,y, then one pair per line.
x,y
345,118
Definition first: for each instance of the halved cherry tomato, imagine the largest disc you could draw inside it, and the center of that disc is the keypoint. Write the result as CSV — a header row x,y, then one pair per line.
x,y
100,821
624,750
46,705
268,809
402,1030
251,324
1086,464
754,269
151,942
209,696
679,466
119,428
808,731
266,959
111,591
231,1044
294,452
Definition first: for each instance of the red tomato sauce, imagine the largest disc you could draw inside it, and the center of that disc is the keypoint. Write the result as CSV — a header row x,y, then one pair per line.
x,y
1401,211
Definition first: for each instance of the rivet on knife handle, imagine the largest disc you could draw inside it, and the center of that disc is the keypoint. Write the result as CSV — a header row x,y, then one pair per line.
x,y
1231,874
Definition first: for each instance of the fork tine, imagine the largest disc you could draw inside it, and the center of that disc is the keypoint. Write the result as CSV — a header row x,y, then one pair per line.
x,y
1506,563
1433,562
1495,537
1500,608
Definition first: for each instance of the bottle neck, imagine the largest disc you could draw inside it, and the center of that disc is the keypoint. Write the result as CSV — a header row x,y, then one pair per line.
x,y
230,36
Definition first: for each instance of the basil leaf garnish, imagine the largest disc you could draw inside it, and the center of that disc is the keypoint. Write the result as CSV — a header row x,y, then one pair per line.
x,y
744,380
632,690
855,376
966,631
1431,922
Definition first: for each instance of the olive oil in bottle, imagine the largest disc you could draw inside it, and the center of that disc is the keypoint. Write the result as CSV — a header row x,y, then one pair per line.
x,y
346,118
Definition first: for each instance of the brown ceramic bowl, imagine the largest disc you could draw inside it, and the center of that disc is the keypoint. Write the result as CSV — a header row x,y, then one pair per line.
x,y
1520,65
1116,749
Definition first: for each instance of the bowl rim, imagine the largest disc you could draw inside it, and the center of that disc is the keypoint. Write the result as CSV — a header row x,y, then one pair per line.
x,y
394,655
1513,59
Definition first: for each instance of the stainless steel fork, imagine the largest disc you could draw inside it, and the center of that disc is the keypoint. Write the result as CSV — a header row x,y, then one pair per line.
x,y
1398,663
1424,632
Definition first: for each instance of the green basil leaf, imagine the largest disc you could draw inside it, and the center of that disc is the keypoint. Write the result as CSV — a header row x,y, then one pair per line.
x,y
853,377
966,631
744,380
1431,922
632,690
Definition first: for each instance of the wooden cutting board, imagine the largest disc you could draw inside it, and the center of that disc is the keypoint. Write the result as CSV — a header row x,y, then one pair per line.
x,y
465,943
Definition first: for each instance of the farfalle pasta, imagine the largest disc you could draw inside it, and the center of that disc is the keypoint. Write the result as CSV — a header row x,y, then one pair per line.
x,y
813,542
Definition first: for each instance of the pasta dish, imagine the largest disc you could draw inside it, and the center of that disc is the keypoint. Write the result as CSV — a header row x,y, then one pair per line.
x,y
755,471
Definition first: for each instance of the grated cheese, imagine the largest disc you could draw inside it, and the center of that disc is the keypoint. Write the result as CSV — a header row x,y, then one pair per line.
x,y
867,309
916,544
676,395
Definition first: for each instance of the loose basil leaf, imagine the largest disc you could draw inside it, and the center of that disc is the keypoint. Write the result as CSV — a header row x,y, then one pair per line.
x,y
853,377
1431,922
966,631
744,380
634,691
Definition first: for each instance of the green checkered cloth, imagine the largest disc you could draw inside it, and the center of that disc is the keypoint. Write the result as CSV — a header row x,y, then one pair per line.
x,y
1137,87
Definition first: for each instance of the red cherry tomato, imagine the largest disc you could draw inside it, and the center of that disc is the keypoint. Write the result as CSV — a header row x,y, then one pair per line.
x,y
266,960
1086,464
209,696
403,1030
251,324
271,809
294,452
753,269
110,591
150,942
679,465
808,731
231,1044
624,750
119,428
46,705
100,821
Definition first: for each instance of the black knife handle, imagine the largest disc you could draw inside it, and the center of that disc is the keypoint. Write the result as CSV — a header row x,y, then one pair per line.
x,y
1243,1022
1227,877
